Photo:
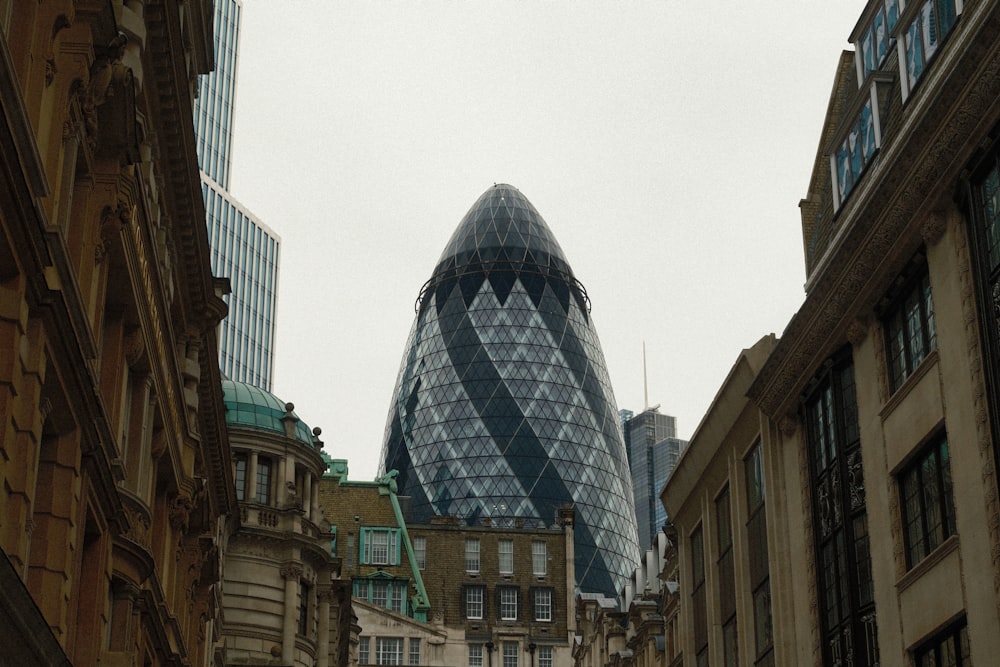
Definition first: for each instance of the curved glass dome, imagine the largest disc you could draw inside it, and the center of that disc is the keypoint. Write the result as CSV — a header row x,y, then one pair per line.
x,y
503,407
251,407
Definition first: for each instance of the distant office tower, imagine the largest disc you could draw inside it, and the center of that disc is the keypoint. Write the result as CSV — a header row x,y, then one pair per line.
x,y
652,446
244,249
503,409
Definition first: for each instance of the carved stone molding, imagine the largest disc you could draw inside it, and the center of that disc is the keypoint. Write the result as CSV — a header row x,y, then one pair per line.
x,y
857,330
789,424
291,571
933,227
180,512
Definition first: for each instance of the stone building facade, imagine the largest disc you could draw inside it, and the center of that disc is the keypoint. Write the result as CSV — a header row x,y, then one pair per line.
x,y
284,601
867,528
114,461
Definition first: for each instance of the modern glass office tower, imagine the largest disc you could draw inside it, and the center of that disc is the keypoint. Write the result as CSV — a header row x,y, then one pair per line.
x,y
244,249
503,408
653,448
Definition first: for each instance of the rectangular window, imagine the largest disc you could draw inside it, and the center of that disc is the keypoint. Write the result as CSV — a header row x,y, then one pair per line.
x,y
380,594
506,554
857,148
843,560
542,604
699,608
510,654
539,558
414,651
396,601
475,655
388,650
263,481
474,602
241,477
380,546
420,552
876,39
726,570
760,582
730,644
928,508
923,35
908,323
947,649
472,555
364,646
508,602
544,656
303,609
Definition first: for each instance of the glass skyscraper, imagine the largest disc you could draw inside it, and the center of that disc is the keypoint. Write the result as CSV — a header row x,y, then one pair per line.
x,y
653,448
503,409
244,249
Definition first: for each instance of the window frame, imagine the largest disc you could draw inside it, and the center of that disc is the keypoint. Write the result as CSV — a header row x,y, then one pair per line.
x,y
420,551
957,634
539,558
371,538
539,605
262,495
472,551
505,556
941,486
913,14
468,603
902,333
389,650
508,609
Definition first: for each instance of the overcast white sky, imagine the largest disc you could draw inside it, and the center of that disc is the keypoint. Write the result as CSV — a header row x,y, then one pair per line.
x,y
667,144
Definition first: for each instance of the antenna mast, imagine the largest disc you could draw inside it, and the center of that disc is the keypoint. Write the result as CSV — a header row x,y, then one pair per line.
x,y
645,384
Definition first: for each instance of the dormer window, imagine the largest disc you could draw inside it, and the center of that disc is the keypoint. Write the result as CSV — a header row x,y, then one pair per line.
x,y
875,41
927,28
860,140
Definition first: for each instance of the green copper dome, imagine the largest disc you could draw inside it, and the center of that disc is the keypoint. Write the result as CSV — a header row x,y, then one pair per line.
x,y
251,407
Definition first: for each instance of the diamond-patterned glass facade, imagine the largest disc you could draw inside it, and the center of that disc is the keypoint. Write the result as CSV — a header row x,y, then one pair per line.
x,y
503,407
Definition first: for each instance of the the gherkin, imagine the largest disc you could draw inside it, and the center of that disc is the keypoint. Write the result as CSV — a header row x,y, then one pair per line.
x,y
503,407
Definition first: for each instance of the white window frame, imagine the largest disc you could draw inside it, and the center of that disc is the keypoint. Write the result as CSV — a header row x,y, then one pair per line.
x,y
505,552
420,551
475,655
388,650
511,654
539,558
544,656
475,598
472,555
543,603
414,651
508,602
364,650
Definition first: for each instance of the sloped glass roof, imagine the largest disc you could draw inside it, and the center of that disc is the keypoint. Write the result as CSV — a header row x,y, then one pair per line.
x,y
251,407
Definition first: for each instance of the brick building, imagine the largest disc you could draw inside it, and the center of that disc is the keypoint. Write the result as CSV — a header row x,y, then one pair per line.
x,y
447,593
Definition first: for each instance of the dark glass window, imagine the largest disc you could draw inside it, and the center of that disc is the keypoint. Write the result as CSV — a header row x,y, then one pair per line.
x,y
928,509
698,594
925,33
303,608
263,481
947,649
909,325
241,476
760,582
847,606
727,577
